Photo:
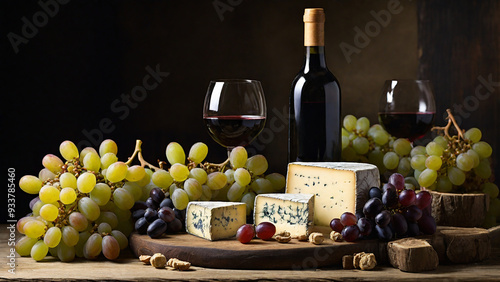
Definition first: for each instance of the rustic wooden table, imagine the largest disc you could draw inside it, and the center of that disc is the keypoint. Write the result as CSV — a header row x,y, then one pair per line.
x,y
128,268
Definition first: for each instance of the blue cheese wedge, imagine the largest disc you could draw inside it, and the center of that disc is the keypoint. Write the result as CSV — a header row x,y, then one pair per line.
x,y
215,220
288,212
338,186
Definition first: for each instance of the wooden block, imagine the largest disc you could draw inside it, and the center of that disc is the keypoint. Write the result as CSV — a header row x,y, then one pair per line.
x,y
495,236
465,245
412,255
347,262
462,210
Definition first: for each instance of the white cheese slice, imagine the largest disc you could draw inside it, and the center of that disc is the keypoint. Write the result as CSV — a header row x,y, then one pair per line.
x,y
338,186
215,220
288,212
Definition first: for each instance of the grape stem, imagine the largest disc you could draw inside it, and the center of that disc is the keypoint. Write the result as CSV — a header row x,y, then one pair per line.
x,y
446,129
138,153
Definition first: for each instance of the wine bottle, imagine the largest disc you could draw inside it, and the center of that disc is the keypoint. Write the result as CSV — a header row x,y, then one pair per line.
x,y
314,114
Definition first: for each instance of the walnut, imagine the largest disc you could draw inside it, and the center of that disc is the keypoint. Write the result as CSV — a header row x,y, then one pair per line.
x,y
178,264
368,262
357,258
145,259
316,238
347,261
302,237
283,237
336,236
158,260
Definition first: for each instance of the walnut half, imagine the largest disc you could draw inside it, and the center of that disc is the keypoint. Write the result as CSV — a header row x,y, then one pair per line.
x,y
316,238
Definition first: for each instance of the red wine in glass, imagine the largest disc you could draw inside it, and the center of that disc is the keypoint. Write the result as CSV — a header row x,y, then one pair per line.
x,y
407,124
234,130
234,111
407,108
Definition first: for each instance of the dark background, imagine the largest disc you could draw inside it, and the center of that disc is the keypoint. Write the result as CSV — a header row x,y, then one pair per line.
x,y
64,80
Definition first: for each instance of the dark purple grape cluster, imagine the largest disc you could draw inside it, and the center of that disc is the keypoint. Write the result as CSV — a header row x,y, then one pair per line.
x,y
157,215
393,212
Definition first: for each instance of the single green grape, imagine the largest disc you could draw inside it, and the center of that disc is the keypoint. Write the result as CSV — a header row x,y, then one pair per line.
x,y
350,122
162,178
179,172
418,150
441,140
473,134
242,177
483,149
235,193
402,147
391,160
361,145
180,199
116,172
418,162
175,153
108,146
92,162
193,189
199,174
483,170
490,188
362,125
52,237
68,150
427,177
464,162
433,162
456,176
86,182
68,179
238,157
67,195
216,180
257,164
198,152
101,194
444,184
434,149
30,184
108,159
49,212
135,173
39,250
48,194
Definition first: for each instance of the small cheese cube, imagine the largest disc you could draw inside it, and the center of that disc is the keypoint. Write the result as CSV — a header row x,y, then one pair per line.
x,y
215,220
288,212
338,186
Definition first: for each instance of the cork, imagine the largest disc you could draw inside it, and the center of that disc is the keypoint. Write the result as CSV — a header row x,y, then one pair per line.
x,y
314,27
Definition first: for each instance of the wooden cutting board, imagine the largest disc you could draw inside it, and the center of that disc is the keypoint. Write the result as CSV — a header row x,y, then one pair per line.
x,y
259,254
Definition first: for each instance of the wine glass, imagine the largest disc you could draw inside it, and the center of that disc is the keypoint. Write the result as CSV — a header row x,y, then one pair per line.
x,y
407,108
234,111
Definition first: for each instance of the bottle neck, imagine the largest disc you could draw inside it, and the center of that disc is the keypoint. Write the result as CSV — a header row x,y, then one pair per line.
x,y
315,58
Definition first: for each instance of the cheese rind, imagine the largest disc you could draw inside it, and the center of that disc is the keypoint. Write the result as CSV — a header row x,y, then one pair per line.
x,y
338,186
215,220
293,213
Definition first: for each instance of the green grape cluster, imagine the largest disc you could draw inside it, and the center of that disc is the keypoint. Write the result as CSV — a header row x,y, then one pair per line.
x,y
82,207
239,179
372,144
459,163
